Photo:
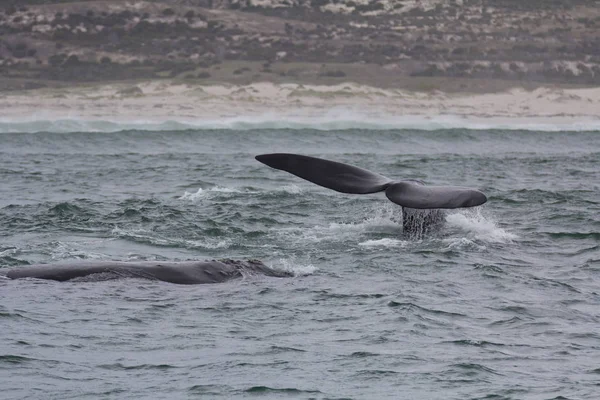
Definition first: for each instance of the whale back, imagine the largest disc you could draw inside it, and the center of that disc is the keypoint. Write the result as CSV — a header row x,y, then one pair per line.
x,y
181,272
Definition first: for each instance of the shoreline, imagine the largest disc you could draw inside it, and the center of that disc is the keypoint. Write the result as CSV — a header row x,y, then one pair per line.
x,y
155,102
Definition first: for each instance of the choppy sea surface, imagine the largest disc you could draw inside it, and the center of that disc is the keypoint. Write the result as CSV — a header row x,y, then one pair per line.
x,y
503,302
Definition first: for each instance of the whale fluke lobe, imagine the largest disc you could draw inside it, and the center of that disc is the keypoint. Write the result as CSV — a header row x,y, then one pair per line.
x,y
354,180
414,195
333,175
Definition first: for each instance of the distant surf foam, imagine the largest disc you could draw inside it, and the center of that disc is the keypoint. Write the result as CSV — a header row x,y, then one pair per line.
x,y
334,120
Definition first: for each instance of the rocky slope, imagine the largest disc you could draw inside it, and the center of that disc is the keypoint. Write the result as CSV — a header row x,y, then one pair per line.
x,y
45,42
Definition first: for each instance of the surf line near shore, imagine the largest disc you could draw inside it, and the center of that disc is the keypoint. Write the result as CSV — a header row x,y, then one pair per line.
x,y
164,105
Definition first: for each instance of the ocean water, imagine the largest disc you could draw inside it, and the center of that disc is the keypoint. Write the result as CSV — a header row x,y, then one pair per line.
x,y
503,302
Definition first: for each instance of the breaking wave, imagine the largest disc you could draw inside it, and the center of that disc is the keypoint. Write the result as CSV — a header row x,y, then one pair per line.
x,y
334,120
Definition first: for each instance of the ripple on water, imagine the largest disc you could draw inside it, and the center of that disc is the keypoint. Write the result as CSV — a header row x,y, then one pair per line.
x,y
501,303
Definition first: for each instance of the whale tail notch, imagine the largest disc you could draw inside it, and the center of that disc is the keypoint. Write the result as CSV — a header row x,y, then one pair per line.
x,y
346,178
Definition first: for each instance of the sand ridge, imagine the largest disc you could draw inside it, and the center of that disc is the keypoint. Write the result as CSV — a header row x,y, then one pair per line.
x,y
171,100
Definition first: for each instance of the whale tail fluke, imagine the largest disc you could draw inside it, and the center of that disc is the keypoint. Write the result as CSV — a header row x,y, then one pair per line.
x,y
346,178
333,175
415,195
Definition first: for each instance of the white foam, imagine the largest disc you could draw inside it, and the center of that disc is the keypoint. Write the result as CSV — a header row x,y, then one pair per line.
x,y
335,119
461,244
208,244
291,189
386,242
146,236
294,267
381,221
9,252
204,193
193,196
478,227
70,250
209,192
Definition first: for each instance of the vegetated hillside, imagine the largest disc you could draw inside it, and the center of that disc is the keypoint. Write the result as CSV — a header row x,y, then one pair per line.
x,y
554,41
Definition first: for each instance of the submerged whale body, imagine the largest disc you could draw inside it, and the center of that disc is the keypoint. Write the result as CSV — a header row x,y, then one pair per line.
x,y
183,272
421,205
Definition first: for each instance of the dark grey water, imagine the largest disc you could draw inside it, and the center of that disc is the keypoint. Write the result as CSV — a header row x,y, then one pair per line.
x,y
502,303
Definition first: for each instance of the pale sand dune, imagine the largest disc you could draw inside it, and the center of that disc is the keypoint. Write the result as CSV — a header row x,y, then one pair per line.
x,y
162,100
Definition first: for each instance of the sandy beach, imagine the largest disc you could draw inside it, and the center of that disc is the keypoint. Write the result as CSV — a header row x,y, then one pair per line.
x,y
156,101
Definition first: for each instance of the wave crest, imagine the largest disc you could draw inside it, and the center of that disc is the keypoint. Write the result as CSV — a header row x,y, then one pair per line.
x,y
332,120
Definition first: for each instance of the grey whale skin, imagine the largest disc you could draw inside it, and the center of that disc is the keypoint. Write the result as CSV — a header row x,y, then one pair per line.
x,y
181,272
421,205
